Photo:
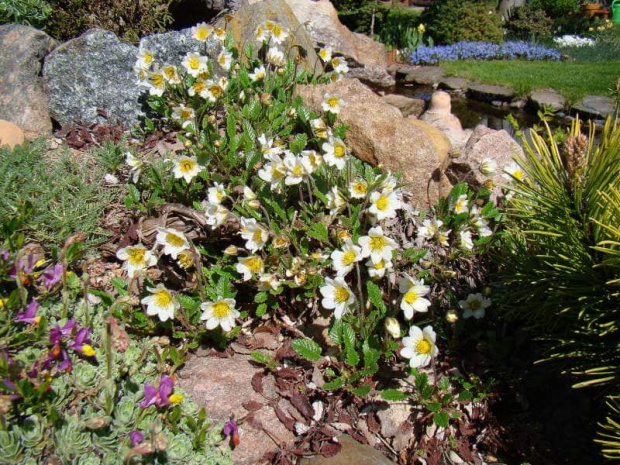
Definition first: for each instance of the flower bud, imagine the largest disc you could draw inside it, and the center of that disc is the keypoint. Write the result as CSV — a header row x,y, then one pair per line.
x,y
280,71
392,326
426,264
96,423
188,143
217,143
231,250
449,274
488,166
452,316
265,99
487,291
211,119
254,204
160,442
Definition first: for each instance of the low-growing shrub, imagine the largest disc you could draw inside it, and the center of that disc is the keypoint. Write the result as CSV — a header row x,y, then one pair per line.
x,y
451,21
483,51
128,19
29,12
529,24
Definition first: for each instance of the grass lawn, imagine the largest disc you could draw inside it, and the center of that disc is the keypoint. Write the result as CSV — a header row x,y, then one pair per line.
x,y
572,80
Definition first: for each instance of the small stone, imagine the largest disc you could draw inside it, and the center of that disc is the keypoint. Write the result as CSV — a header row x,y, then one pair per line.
x,y
594,106
10,134
352,453
489,93
547,98
392,417
110,179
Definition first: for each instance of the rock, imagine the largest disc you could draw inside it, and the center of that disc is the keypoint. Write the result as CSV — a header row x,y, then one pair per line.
x,y
171,47
454,83
246,20
10,134
595,106
439,114
222,386
424,75
352,453
547,98
489,93
372,75
327,30
440,141
22,94
93,72
392,416
379,134
408,106
484,143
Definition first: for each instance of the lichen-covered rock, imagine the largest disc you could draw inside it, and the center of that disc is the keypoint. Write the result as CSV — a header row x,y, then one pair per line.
x,y
90,73
22,94
171,47
378,134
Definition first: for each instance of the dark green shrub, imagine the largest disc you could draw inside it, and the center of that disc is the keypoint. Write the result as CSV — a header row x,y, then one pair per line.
x,y
555,8
357,16
128,19
527,23
30,12
451,21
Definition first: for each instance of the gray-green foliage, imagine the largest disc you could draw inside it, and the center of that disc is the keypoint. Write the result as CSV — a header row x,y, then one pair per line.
x,y
55,198
29,12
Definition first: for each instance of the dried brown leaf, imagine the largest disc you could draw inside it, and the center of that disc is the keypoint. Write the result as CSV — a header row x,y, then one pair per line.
x,y
257,382
302,403
287,421
329,449
252,405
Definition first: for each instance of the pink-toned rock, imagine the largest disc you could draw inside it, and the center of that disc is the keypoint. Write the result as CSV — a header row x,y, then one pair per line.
x,y
378,134
23,100
10,134
222,386
352,453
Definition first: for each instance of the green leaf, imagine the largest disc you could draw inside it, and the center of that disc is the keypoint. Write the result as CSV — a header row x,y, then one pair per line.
x,y
298,143
261,310
441,419
348,336
335,331
375,295
261,297
307,348
393,395
318,231
433,406
361,391
188,303
120,286
426,392
414,255
231,126
261,357
371,351
352,357
444,383
335,384
465,396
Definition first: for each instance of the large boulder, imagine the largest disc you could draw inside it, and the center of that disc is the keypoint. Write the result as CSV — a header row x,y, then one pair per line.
x,y
22,95
408,106
378,134
10,134
90,73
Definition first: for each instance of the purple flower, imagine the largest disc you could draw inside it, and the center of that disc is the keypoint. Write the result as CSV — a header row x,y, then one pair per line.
x,y
11,388
29,315
23,266
136,437
231,429
162,395
5,255
57,333
82,339
52,276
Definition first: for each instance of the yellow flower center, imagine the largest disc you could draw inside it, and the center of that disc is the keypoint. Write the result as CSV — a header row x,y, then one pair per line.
x,y
169,72
254,264
359,188
377,243
174,240
379,266
297,170
186,113
258,235
163,298
194,63
323,53
382,203
411,297
186,166
341,295
202,34
136,255
199,86
339,151
277,31
148,57
270,26
423,347
474,304
348,257
259,31
219,31
336,61
221,309
518,174
157,80
186,260
280,241
333,102
216,91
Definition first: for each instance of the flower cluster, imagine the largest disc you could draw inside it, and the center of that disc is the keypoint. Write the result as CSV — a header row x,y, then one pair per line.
x,y
569,41
483,51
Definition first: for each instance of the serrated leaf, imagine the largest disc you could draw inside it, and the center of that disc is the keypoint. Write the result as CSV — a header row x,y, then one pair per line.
x,y
335,331
414,255
261,357
375,295
231,126
261,310
352,357
465,396
335,384
261,297
393,395
441,419
120,286
298,143
187,302
433,406
371,352
348,336
361,391
307,348
318,231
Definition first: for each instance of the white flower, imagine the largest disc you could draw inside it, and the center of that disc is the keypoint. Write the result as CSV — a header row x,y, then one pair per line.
x,y
378,270
215,90
343,260
337,295
514,172
219,33
465,240
392,327
202,31
325,54
311,160
145,59
429,228
278,34
224,59
258,74
334,200
335,152
186,167
248,266
254,233
295,169
340,65
171,74
161,302
358,189
275,57
185,115
420,346
268,281
156,83
573,41
136,257
199,87
262,33
194,63
248,194
488,166
384,204
221,313
413,296
173,241
475,305
273,172
269,146
216,214
135,165
377,246
332,103
460,206
442,237
389,184
319,128
216,193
